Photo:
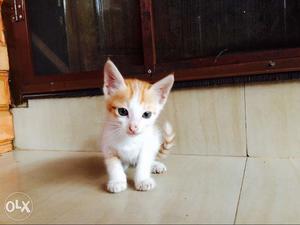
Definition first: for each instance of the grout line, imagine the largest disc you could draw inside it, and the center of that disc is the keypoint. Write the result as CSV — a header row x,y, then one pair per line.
x,y
172,154
246,128
49,150
241,189
212,155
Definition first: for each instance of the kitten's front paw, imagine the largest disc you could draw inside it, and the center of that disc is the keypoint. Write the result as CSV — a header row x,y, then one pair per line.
x,y
158,167
116,186
145,185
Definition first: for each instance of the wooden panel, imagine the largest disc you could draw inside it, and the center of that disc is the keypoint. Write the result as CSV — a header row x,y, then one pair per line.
x,y
4,92
6,146
247,68
292,15
2,41
6,122
148,36
6,127
3,59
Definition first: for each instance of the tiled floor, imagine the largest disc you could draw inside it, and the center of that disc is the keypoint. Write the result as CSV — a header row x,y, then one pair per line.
x,y
270,193
69,187
209,180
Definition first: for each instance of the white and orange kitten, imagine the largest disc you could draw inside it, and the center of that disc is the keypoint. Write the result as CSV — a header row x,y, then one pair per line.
x,y
130,137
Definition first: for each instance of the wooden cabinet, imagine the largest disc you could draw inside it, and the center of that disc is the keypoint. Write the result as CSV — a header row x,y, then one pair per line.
x,y
1,28
6,120
6,131
4,65
61,46
4,91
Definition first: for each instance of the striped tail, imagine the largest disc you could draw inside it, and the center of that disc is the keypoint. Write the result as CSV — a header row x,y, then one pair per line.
x,y
168,141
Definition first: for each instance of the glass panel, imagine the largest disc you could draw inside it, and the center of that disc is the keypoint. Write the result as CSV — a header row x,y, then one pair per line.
x,y
78,35
200,28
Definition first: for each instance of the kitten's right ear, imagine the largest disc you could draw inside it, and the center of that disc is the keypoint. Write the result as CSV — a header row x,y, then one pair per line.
x,y
113,80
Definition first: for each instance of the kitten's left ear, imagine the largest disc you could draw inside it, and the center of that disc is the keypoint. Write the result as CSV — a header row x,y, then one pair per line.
x,y
163,87
113,80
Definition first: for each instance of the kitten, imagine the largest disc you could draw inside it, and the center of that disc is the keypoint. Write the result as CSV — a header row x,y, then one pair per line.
x,y
130,137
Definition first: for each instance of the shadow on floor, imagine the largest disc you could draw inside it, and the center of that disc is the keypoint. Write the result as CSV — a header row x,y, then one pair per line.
x,y
85,168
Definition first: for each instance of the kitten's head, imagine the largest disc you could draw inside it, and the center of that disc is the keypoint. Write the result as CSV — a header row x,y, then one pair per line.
x,y
133,105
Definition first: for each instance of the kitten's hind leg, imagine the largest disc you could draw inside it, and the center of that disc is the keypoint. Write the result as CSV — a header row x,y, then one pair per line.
x,y
158,167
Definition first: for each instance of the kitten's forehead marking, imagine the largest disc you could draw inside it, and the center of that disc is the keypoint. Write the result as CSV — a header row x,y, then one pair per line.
x,y
137,89
135,103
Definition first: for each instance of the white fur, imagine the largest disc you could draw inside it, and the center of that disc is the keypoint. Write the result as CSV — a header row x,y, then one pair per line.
x,y
140,151
122,149
158,167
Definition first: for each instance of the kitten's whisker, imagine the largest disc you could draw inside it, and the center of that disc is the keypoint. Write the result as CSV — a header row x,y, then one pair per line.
x,y
115,131
114,123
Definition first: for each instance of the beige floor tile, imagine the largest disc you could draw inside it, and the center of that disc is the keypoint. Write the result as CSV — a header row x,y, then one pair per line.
x,y
273,119
67,187
270,193
208,121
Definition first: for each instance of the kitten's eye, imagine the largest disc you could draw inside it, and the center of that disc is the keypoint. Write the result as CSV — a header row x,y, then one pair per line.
x,y
122,112
147,115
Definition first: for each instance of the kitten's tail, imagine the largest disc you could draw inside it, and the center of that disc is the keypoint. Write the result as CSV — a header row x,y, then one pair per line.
x,y
168,141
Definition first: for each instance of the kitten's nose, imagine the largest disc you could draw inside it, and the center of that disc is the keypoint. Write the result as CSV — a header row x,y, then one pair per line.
x,y
132,128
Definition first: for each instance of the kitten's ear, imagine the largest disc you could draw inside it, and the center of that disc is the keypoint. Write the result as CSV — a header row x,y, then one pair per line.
x,y
113,80
163,87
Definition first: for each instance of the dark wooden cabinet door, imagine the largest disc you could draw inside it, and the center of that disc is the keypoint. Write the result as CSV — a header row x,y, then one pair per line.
x,y
59,46
210,37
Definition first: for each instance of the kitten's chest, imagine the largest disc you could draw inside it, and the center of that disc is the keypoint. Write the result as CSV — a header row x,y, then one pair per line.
x,y
129,150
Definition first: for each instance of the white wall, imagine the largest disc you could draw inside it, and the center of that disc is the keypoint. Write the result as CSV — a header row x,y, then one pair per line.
x,y
261,119
208,121
59,124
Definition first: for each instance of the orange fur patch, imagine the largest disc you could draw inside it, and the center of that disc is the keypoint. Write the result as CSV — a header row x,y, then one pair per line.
x,y
133,87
